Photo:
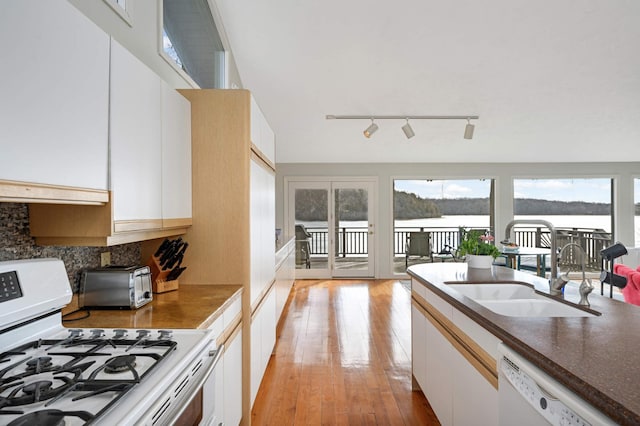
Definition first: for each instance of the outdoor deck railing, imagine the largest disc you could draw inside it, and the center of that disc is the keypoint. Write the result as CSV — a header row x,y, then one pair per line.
x,y
352,241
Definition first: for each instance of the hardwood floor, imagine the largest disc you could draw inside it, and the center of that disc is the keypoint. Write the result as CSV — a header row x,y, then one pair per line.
x,y
343,357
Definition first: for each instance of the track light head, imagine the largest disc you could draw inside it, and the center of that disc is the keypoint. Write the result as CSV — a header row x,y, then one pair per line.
x,y
373,127
408,131
468,130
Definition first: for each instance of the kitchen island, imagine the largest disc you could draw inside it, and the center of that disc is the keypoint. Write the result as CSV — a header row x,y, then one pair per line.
x,y
191,306
596,357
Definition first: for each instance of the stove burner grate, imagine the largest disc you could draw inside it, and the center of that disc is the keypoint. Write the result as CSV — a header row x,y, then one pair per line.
x,y
49,418
119,364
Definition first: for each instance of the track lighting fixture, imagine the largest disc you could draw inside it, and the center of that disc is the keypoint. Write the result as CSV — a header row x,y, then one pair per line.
x,y
406,128
370,130
468,130
408,131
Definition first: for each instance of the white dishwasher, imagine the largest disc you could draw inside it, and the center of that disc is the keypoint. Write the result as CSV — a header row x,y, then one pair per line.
x,y
527,396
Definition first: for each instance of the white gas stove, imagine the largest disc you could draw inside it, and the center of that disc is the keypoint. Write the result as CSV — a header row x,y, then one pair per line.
x,y
51,375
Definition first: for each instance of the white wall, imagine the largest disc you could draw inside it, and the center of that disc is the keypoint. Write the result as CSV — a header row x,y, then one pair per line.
x,y
141,37
623,173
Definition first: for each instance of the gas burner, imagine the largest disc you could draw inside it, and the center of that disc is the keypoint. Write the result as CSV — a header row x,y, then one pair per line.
x,y
39,364
49,418
119,364
36,388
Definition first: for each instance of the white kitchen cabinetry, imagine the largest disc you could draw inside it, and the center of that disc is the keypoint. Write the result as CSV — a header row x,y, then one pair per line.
x,y
54,104
150,167
262,136
135,142
285,275
233,381
176,158
443,341
222,392
263,339
262,200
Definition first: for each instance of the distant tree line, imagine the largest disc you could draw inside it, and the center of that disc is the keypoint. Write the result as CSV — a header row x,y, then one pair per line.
x,y
311,206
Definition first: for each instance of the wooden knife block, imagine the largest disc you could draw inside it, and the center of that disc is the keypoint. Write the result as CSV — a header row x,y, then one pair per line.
x,y
159,284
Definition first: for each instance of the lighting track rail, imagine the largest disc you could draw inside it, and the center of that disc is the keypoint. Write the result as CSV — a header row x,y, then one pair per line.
x,y
406,128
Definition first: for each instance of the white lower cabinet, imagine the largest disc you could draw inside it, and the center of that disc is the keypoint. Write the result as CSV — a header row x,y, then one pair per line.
x,y
475,400
232,379
263,339
458,393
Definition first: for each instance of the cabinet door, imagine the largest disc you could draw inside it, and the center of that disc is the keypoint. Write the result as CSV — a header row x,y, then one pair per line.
x,y
263,339
176,156
261,134
135,142
475,400
262,213
55,95
438,386
419,347
233,381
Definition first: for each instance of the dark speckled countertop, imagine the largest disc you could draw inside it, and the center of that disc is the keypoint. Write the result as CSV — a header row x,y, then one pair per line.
x,y
596,357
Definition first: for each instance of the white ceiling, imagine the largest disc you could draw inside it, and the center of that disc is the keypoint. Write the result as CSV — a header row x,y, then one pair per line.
x,y
552,80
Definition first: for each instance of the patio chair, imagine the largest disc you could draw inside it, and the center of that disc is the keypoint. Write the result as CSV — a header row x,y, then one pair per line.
x,y
418,245
303,248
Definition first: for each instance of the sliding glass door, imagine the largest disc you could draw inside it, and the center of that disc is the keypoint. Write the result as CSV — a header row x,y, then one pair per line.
x,y
333,226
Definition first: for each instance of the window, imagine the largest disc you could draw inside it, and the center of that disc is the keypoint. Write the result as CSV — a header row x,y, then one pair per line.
x,y
120,7
579,210
439,208
191,43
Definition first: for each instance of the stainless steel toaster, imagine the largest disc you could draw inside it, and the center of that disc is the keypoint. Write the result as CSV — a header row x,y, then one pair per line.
x,y
124,287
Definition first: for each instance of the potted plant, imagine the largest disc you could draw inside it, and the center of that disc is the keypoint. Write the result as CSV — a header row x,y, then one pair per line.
x,y
477,247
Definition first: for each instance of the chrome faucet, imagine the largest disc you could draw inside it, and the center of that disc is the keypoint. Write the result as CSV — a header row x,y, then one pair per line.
x,y
555,283
586,286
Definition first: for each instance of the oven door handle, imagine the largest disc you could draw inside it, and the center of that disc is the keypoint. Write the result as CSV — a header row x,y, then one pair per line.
x,y
216,354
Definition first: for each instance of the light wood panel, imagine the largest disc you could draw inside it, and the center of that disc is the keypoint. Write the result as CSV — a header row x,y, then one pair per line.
x,y
343,356
26,192
219,240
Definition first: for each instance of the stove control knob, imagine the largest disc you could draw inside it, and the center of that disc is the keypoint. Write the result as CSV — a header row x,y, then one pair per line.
x,y
165,334
146,295
143,333
119,334
97,333
75,333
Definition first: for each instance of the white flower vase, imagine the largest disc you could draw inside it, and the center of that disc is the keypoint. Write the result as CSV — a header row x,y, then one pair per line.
x,y
479,261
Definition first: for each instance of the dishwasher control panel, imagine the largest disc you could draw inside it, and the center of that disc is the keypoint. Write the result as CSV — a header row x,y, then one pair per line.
x,y
550,407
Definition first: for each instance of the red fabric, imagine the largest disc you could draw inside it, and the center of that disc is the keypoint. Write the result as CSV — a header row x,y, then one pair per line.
x,y
631,291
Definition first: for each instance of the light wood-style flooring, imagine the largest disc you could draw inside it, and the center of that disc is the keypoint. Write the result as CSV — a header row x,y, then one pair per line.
x,y
343,357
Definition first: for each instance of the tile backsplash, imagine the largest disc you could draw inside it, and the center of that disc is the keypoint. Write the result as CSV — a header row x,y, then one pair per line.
x,y
16,243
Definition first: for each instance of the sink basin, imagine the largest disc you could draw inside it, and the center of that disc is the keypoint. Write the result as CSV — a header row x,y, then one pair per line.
x,y
517,300
500,291
533,308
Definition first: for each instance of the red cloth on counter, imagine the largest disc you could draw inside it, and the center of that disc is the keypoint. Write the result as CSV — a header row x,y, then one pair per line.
x,y
631,291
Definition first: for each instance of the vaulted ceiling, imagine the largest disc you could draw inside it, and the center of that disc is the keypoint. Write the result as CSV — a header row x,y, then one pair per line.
x,y
552,81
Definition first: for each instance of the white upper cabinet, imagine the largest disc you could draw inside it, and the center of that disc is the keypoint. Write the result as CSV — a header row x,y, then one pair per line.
x,y
135,141
54,104
261,134
176,156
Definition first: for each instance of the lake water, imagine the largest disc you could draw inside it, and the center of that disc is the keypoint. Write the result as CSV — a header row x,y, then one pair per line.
x,y
481,221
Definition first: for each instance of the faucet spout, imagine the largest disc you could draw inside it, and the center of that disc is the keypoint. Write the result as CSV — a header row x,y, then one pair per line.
x,y
586,287
553,279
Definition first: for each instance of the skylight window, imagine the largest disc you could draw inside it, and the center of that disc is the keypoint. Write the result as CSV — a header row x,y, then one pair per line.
x,y
191,43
